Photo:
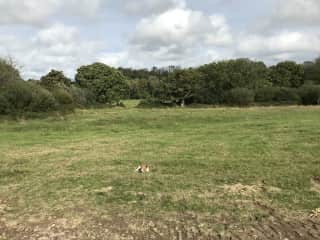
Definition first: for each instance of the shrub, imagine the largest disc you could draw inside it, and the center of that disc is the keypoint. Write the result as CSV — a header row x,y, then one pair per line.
x,y
82,96
8,71
149,103
310,94
287,96
4,105
42,100
55,79
239,97
154,103
18,95
63,97
266,95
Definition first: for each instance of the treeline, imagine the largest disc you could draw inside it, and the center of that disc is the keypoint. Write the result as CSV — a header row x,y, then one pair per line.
x,y
239,82
94,85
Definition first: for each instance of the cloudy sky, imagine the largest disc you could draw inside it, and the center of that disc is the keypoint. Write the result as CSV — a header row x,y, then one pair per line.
x,y
64,34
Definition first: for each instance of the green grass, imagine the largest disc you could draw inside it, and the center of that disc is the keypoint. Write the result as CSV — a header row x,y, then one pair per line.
x,y
58,164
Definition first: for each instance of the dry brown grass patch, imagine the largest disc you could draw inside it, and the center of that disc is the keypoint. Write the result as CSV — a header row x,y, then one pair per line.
x,y
315,184
249,190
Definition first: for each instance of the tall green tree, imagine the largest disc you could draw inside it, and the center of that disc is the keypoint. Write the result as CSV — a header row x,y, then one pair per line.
x,y
287,74
107,83
244,73
214,82
180,86
55,79
225,75
312,71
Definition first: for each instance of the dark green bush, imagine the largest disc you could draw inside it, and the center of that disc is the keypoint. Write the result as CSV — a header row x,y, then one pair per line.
x,y
55,79
63,97
82,97
266,95
153,103
42,100
149,103
4,105
310,94
239,97
287,96
8,71
18,95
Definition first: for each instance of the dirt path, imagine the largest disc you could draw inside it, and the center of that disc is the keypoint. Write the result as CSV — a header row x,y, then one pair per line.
x,y
187,226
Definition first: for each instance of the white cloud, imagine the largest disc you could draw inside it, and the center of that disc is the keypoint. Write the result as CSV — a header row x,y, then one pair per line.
x,y
117,59
57,33
291,31
285,45
167,32
150,7
179,34
283,42
296,13
58,46
32,11
38,12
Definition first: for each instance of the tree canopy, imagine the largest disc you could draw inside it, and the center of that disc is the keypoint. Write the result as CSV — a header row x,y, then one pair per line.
x,y
287,74
55,79
8,71
108,84
180,86
312,71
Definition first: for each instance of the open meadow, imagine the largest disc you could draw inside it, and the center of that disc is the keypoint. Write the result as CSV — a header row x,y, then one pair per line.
x,y
216,173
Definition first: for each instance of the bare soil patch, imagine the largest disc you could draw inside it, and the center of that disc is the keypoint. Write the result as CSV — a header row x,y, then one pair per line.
x,y
182,226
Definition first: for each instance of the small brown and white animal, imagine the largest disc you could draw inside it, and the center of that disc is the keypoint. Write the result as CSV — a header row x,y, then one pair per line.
x,y
143,169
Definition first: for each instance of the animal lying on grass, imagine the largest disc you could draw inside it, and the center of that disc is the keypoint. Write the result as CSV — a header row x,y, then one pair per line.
x,y
143,168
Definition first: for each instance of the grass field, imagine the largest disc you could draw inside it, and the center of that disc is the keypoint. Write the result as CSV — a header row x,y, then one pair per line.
x,y
74,174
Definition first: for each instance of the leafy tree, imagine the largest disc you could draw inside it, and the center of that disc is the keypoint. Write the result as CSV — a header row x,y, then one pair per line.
x,y
42,99
18,95
55,79
214,82
277,95
63,97
107,83
266,94
226,75
180,86
239,97
312,71
4,105
310,94
135,73
285,95
287,74
149,88
82,97
244,73
8,71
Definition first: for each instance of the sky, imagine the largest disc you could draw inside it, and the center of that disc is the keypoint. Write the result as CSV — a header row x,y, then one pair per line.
x,y
65,34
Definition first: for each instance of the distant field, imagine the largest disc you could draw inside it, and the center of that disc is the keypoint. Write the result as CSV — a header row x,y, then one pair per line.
x,y
214,173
